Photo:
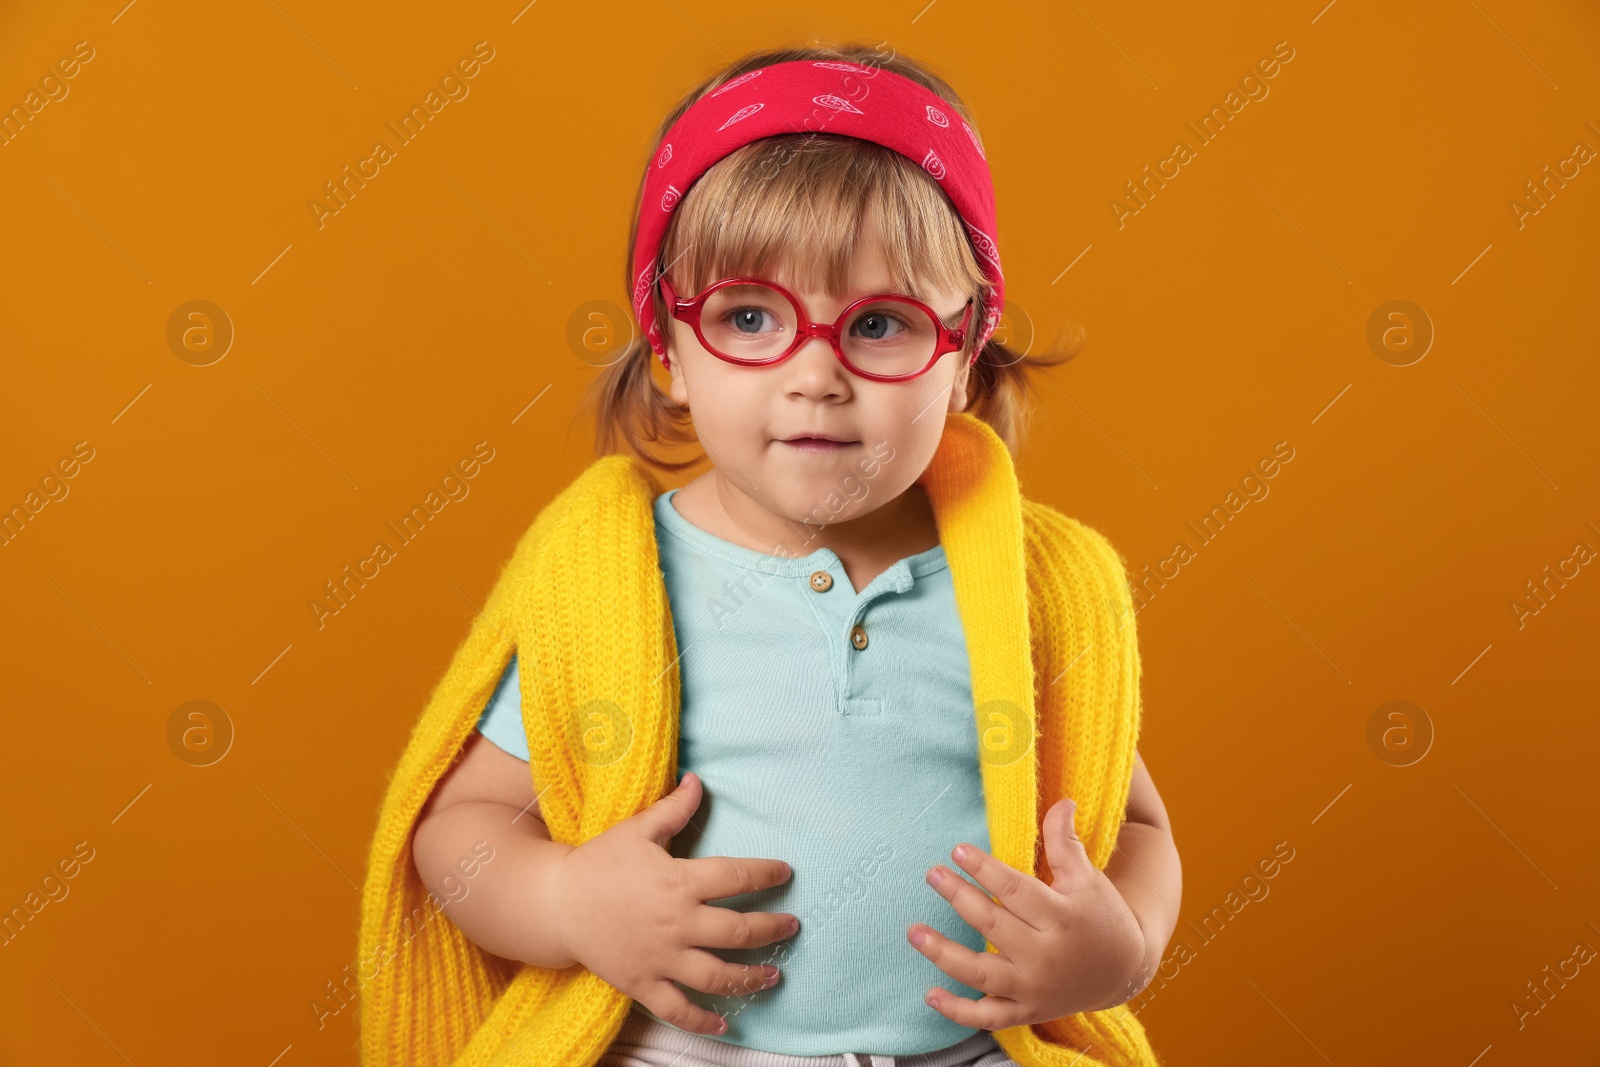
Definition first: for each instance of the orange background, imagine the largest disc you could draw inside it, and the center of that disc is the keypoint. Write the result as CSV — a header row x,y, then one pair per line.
x,y
1229,314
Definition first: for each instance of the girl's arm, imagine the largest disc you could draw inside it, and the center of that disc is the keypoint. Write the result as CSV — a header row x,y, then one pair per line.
x,y
637,914
1146,870
484,805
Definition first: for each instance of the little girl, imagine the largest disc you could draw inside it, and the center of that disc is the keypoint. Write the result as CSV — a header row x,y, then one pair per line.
x,y
735,740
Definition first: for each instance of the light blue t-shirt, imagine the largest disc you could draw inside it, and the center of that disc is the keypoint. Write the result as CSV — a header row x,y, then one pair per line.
x,y
852,756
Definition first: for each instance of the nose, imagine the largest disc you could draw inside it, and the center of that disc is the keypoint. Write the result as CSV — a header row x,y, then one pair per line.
x,y
815,370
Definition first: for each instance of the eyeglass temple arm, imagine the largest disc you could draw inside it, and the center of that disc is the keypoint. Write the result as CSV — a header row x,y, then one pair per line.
x,y
957,334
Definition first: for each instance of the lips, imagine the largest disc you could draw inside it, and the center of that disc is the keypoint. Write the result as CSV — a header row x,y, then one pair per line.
x,y
817,444
819,436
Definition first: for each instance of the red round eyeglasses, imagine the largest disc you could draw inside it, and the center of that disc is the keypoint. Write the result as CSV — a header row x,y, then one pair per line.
x,y
751,322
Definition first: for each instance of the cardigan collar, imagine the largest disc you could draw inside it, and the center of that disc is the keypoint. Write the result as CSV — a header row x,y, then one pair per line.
x,y
977,504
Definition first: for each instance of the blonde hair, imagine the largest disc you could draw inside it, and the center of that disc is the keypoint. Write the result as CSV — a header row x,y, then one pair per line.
x,y
744,213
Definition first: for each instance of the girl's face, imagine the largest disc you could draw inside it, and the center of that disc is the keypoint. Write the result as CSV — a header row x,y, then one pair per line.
x,y
742,415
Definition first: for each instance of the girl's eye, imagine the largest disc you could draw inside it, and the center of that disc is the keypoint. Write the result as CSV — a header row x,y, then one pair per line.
x,y
747,319
879,326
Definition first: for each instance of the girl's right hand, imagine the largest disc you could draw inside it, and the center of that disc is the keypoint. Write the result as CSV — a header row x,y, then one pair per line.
x,y
637,916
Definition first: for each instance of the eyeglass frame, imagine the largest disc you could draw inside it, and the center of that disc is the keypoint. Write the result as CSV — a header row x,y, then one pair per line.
x,y
946,338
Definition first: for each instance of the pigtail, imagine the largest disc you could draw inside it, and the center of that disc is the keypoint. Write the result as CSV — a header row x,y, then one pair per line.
x,y
632,410
1001,384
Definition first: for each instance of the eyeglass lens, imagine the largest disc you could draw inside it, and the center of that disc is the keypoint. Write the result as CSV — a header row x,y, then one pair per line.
x,y
756,322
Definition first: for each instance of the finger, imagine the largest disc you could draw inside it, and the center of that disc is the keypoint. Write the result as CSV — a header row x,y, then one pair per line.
x,y
709,973
1064,851
1021,895
990,1013
716,877
987,972
715,927
672,1005
994,921
666,818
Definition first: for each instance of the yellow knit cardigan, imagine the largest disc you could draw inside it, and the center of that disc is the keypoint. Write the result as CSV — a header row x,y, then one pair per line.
x,y
1046,610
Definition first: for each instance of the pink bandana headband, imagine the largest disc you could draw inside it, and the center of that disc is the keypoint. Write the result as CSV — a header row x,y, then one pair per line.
x,y
821,97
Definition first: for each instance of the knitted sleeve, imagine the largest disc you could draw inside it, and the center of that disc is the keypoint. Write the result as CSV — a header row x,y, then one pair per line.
x,y
427,988
431,997
1087,677
1086,653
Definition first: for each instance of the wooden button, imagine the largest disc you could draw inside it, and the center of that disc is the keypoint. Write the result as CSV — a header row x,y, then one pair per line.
x,y
858,637
821,581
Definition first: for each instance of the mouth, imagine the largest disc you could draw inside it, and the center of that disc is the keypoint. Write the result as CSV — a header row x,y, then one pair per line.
x,y
807,443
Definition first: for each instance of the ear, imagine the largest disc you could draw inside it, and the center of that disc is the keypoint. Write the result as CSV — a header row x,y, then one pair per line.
x,y
676,388
958,389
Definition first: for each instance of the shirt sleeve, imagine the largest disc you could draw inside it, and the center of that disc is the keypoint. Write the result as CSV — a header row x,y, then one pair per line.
x,y
501,721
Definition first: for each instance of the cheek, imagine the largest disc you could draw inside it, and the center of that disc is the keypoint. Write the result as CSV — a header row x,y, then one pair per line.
x,y
910,409
904,426
721,400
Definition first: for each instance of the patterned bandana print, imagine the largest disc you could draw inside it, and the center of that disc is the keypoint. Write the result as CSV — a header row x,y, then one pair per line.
x,y
820,97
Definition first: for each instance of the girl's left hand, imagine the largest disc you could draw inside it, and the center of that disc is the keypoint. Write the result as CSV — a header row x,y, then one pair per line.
x,y
1067,947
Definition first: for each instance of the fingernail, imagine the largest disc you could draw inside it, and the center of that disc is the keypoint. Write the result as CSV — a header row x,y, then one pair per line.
x,y
722,1026
794,924
770,972
961,852
935,876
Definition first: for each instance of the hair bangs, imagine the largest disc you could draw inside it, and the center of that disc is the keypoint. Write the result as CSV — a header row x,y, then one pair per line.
x,y
795,209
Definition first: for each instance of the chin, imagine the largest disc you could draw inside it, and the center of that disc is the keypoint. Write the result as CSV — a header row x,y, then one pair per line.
x,y
815,503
